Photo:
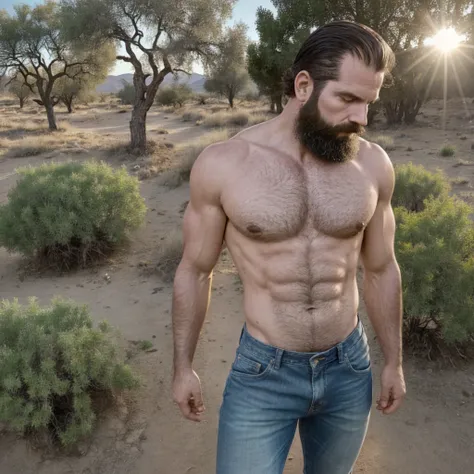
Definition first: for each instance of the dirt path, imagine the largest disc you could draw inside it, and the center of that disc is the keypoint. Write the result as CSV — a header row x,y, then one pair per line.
x,y
433,433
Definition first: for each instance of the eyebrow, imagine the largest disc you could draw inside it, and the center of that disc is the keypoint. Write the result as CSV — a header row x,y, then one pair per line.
x,y
355,97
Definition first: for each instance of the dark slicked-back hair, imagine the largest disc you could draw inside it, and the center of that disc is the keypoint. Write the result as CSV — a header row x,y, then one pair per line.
x,y
321,54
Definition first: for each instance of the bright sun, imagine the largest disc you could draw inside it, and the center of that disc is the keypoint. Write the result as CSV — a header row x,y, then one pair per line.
x,y
446,40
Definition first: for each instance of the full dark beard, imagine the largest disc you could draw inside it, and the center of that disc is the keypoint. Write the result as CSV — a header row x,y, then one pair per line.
x,y
321,139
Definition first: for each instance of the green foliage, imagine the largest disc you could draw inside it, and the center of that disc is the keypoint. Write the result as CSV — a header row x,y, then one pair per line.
x,y
19,89
268,60
435,250
175,95
448,151
70,213
414,184
228,76
126,94
52,363
79,85
403,25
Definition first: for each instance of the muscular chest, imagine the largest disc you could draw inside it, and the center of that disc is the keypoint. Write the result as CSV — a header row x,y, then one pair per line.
x,y
272,203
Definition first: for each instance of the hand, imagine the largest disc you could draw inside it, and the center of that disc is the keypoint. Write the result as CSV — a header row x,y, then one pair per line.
x,y
393,390
188,395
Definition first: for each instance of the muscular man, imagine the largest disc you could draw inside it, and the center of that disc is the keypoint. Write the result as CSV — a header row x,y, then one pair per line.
x,y
298,200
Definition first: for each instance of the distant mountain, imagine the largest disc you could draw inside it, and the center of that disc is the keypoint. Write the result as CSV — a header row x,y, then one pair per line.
x,y
114,83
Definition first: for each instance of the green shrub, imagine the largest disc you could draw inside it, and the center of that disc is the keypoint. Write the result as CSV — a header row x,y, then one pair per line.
x,y
53,365
435,250
414,184
175,95
126,94
70,214
448,150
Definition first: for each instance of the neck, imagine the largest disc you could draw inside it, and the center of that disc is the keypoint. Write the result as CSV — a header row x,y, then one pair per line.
x,y
284,126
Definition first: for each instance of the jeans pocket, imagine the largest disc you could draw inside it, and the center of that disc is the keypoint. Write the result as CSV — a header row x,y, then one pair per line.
x,y
358,360
249,367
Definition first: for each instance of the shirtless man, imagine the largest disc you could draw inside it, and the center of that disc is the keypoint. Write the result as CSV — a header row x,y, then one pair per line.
x,y
298,200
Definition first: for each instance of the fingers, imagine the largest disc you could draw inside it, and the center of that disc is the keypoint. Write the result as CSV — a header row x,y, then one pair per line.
x,y
197,403
393,406
384,398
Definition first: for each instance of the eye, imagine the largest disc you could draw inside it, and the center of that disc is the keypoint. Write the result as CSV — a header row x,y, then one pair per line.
x,y
347,99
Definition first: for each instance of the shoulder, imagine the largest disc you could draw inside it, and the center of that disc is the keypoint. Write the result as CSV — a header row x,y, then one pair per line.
x,y
216,164
377,162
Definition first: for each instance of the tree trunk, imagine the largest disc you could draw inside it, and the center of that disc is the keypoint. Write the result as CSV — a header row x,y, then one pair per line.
x,y
273,106
68,104
48,105
279,104
22,102
411,111
138,128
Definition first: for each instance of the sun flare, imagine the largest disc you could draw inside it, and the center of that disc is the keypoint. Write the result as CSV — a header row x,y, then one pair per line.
x,y
446,40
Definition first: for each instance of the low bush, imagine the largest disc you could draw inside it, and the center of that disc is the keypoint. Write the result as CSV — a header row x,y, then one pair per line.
x,y
414,184
126,94
223,119
169,255
54,365
385,141
175,95
70,214
435,250
448,150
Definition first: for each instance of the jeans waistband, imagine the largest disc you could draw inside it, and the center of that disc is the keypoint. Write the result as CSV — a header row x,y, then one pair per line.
x,y
281,355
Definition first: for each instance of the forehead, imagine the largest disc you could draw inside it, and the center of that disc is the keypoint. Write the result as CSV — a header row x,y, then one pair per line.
x,y
357,78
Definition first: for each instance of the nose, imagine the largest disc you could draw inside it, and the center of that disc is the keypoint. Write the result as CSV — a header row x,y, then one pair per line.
x,y
359,114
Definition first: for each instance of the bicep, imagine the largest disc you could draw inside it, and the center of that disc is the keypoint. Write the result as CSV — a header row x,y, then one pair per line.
x,y
378,244
203,235
204,220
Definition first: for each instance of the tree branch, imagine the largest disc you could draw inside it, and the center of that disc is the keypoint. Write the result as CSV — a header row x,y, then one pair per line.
x,y
124,58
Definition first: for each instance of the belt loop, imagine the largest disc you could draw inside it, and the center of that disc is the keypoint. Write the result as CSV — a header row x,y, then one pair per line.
x,y
278,357
340,352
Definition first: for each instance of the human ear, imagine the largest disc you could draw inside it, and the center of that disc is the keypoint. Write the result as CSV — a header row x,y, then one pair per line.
x,y
303,86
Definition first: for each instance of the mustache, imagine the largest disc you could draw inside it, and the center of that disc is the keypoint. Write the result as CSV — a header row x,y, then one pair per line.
x,y
348,128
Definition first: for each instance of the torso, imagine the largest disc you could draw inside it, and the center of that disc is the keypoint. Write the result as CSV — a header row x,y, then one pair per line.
x,y
295,229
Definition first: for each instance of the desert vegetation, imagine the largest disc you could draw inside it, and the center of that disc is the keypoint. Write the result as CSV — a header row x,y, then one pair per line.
x,y
94,185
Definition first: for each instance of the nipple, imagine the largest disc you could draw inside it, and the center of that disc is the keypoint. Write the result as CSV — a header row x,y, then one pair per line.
x,y
254,229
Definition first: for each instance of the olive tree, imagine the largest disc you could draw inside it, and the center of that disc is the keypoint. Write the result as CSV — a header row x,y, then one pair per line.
x,y
228,75
157,37
34,48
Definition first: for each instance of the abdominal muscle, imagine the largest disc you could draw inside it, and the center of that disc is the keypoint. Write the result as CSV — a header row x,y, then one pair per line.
x,y
299,295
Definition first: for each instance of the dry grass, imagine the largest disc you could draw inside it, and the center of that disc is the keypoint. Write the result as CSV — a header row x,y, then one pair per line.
x,y
384,141
180,173
194,115
226,119
169,255
459,181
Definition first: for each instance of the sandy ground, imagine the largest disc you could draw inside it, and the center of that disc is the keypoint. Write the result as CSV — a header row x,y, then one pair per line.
x,y
433,433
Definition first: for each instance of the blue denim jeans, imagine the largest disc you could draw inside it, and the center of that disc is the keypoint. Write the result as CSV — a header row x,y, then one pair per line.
x,y
269,391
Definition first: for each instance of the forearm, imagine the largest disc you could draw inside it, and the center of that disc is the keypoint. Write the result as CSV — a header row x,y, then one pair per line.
x,y
191,294
383,300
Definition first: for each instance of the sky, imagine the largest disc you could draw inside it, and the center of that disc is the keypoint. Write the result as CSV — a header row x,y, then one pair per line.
x,y
244,11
